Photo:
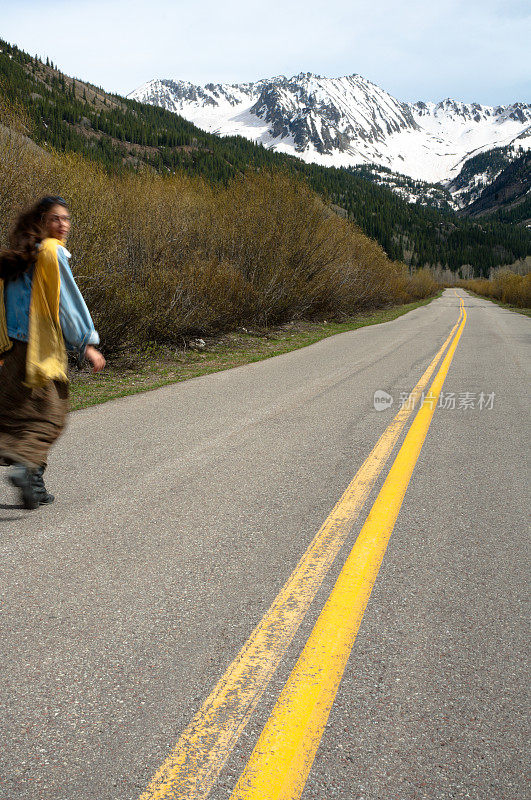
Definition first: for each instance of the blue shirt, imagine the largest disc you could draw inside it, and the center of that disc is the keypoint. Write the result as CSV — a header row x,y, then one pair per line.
x,y
76,322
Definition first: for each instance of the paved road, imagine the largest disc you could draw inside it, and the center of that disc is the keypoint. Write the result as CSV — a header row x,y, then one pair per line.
x,y
181,513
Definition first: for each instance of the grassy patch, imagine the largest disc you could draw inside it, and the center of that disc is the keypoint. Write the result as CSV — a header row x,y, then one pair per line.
x,y
153,368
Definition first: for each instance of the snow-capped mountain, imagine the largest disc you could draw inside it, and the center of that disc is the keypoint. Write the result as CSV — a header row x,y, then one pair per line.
x,y
347,121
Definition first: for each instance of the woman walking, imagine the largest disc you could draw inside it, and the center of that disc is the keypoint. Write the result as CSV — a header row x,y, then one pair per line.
x,y
41,311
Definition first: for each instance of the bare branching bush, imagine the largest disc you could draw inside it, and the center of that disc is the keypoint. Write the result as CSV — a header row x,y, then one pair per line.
x,y
24,167
421,284
504,285
159,258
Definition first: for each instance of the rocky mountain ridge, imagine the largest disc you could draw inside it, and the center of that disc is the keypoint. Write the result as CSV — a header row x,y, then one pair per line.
x,y
348,122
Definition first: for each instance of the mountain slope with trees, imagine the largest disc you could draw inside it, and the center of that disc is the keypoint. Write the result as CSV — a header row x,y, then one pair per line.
x,y
509,193
123,135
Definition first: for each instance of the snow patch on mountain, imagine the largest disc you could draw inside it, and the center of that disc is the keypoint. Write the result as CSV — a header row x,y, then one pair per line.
x,y
348,121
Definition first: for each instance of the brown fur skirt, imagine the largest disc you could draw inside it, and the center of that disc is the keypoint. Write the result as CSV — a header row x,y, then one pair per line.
x,y
30,419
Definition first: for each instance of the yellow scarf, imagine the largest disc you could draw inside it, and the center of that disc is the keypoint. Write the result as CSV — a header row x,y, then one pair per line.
x,y
46,356
46,359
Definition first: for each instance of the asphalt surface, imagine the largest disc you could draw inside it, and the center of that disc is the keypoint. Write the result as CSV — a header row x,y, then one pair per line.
x,y
179,515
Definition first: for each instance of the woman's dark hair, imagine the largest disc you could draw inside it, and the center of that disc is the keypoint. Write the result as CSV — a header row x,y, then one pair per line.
x,y
26,234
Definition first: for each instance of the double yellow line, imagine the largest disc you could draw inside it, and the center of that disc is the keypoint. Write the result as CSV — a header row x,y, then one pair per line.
x,y
280,763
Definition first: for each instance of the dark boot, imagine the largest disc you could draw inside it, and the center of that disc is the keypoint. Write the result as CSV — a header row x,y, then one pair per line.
x,y
23,478
43,495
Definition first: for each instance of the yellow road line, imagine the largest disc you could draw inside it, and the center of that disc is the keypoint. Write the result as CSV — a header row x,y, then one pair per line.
x,y
280,763
198,757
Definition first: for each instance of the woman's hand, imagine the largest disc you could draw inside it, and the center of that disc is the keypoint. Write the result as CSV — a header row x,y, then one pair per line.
x,y
95,358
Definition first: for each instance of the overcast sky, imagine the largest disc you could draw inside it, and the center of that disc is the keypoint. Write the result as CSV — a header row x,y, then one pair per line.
x,y
471,50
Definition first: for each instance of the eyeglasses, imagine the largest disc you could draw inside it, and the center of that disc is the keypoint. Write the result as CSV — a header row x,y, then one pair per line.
x,y
60,218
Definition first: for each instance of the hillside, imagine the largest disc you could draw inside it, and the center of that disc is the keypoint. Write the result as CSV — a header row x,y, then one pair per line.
x,y
508,194
479,172
125,135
